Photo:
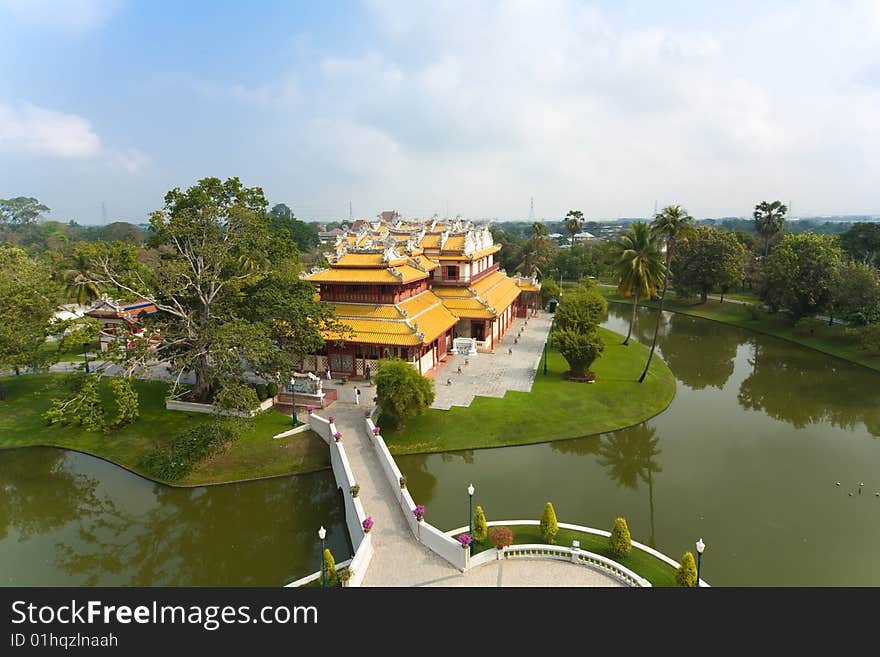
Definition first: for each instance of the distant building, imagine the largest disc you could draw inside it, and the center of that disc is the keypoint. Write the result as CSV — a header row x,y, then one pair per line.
x,y
120,320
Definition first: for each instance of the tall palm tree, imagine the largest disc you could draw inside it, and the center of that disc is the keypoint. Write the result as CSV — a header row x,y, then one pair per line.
x,y
671,225
638,266
769,220
574,220
535,252
79,280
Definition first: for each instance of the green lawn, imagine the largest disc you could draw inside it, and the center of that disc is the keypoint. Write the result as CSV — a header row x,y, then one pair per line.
x,y
831,340
255,454
658,572
75,353
554,409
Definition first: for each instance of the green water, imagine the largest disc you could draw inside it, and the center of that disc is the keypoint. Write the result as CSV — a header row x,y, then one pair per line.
x,y
746,458
68,519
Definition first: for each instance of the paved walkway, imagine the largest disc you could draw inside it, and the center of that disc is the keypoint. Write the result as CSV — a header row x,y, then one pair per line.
x,y
492,375
398,558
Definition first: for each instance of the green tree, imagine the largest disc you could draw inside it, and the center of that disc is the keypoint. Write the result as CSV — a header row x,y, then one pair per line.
x,y
83,408
330,568
672,225
481,527
574,221
282,220
638,266
861,241
769,221
125,398
686,575
579,348
21,210
549,290
27,303
800,272
855,293
549,527
537,252
620,542
710,259
402,392
581,310
79,276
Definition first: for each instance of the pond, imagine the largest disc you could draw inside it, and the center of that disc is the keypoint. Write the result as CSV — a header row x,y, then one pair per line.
x,y
68,519
747,457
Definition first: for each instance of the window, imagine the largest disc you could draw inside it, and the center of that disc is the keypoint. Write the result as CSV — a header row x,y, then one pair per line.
x,y
450,271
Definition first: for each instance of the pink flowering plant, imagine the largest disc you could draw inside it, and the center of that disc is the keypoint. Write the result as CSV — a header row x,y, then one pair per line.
x,y
375,431
419,512
331,418
465,540
337,436
310,409
368,523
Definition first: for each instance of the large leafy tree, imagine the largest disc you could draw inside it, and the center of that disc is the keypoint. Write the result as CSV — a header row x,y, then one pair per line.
x,y
537,252
574,220
28,300
401,390
638,266
671,225
710,259
220,284
861,241
282,220
799,274
769,221
21,210
855,293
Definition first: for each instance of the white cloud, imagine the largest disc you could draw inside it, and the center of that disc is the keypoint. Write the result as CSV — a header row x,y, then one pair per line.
x,y
70,16
29,129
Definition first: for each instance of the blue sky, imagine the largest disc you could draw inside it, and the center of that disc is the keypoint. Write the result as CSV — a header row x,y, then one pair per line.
x,y
605,106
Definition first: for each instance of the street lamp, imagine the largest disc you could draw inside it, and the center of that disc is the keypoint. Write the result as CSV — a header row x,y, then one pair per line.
x,y
545,354
322,533
295,419
700,547
86,355
471,517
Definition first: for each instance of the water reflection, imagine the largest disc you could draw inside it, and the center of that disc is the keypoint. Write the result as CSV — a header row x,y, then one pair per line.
x,y
699,359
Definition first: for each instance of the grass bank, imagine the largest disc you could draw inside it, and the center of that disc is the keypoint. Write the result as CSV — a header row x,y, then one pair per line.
x,y
253,455
554,409
831,340
658,572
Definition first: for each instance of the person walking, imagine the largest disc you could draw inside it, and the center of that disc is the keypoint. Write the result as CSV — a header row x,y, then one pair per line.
x,y
328,373
367,373
357,396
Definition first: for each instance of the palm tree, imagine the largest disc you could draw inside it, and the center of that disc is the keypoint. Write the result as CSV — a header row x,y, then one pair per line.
x,y
638,266
79,281
574,220
769,220
671,224
535,252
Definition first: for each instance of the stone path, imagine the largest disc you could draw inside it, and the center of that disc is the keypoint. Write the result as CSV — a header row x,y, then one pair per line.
x,y
492,375
400,560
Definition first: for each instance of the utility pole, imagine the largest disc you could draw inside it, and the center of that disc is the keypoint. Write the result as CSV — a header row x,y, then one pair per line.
x,y
531,209
349,213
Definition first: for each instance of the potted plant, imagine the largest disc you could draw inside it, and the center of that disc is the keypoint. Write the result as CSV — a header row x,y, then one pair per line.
x,y
337,436
331,418
310,409
345,574
419,512
367,524
355,489
502,537
403,481
375,431
465,540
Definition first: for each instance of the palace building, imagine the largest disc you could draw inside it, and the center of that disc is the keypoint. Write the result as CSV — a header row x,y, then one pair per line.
x,y
408,288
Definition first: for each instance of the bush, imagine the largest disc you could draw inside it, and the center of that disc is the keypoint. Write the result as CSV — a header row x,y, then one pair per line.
x,y
401,390
127,402
186,450
620,541
808,326
501,537
581,310
481,528
272,389
330,568
345,574
868,336
355,490
686,575
578,349
755,311
262,391
549,528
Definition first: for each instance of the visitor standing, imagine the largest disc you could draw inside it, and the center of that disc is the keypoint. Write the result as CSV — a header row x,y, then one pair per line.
x,y
357,396
367,373
328,373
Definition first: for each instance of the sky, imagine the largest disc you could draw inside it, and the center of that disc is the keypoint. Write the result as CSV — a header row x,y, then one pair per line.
x,y
469,108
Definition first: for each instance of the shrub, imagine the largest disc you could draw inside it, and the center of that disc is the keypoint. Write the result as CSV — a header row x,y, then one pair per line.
x,y
686,575
401,390
501,537
481,529
262,391
330,568
755,311
579,349
549,528
272,389
186,450
620,541
808,326
345,574
582,309
127,404
355,490
868,336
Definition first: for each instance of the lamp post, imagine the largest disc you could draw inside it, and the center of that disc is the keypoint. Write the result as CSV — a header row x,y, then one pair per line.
x,y
294,419
471,516
700,547
322,533
545,353
86,355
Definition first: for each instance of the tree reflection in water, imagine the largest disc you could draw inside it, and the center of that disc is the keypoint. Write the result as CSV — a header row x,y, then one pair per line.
x,y
700,354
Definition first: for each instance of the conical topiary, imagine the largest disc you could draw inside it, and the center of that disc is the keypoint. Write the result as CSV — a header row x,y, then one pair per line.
x,y
620,541
686,575
330,568
481,528
549,528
